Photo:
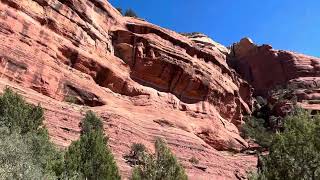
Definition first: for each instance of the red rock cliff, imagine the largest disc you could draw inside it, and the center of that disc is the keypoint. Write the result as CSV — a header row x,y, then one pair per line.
x,y
266,68
143,80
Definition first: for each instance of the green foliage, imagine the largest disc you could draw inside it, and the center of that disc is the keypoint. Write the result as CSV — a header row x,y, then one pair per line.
x,y
91,123
256,176
190,34
161,165
194,160
295,152
130,13
90,157
284,93
254,128
18,115
24,144
27,153
16,159
137,150
71,99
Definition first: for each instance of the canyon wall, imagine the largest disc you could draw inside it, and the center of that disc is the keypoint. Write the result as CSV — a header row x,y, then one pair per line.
x,y
143,80
267,69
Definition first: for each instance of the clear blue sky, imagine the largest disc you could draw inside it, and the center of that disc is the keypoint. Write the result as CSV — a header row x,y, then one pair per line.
x,y
285,24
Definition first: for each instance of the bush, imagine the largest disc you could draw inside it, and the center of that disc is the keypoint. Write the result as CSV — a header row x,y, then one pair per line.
x,y
194,160
91,123
295,152
18,115
24,143
71,99
255,129
161,165
130,13
16,161
90,157
137,150
27,153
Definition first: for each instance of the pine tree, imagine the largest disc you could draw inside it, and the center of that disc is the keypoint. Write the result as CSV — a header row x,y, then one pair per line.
x,y
130,13
90,157
25,149
17,115
294,153
161,165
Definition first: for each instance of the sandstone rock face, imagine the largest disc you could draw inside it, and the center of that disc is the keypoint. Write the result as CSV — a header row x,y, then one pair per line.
x,y
266,69
143,80
206,42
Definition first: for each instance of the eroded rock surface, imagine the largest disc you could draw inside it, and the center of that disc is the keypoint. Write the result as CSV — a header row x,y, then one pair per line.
x,y
143,80
267,69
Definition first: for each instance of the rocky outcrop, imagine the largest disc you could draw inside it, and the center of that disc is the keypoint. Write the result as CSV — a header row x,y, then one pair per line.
x,y
204,41
143,80
267,69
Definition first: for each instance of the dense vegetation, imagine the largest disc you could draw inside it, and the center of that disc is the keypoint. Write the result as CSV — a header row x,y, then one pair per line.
x,y
25,149
290,140
295,152
265,119
27,153
158,166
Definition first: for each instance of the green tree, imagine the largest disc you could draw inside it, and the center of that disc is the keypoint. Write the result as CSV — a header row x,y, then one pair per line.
x,y
130,13
295,152
137,150
254,128
24,142
90,157
16,160
161,166
18,115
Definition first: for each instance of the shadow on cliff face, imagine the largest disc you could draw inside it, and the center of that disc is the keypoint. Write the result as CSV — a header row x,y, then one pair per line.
x,y
101,74
154,68
80,96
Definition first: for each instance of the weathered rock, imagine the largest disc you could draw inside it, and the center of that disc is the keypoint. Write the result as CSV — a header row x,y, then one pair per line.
x,y
143,80
206,42
266,69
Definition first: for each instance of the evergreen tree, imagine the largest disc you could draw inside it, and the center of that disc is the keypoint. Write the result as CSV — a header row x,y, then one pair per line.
x,y
161,166
25,149
90,157
17,115
130,13
294,153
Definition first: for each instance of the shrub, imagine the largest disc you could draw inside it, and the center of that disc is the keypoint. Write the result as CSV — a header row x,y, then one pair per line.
x,y
255,129
295,152
130,13
91,123
27,153
194,160
71,99
161,165
18,115
16,160
24,143
137,150
90,157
